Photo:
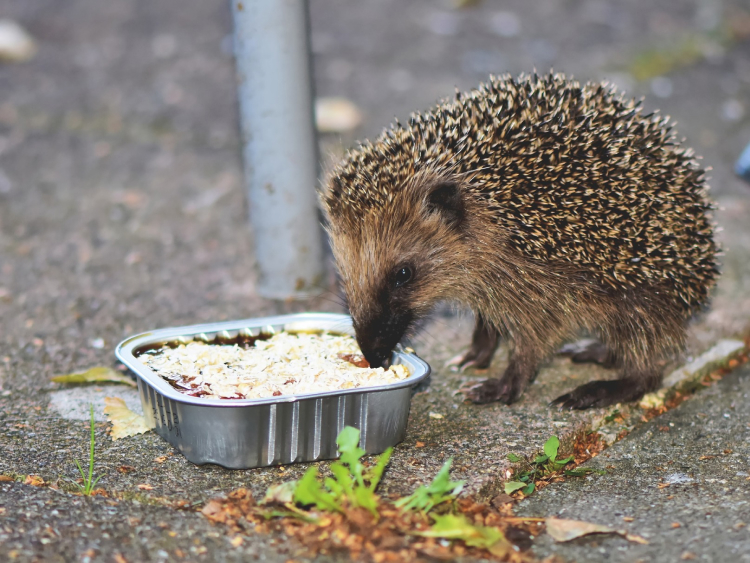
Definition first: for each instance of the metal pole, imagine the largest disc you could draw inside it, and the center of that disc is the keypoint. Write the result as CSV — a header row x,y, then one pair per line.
x,y
272,51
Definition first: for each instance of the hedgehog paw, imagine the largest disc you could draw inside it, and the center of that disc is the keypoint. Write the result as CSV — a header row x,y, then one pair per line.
x,y
599,394
504,390
488,391
589,351
484,342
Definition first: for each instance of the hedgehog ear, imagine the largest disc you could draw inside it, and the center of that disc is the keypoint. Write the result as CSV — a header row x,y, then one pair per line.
x,y
444,199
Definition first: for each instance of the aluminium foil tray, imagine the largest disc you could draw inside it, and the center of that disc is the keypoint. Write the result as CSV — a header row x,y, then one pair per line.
x,y
245,433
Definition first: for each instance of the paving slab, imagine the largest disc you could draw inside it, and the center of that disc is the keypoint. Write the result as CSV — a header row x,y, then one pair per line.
x,y
682,481
51,526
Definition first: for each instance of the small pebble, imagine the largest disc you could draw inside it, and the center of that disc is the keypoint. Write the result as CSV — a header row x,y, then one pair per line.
x,y
336,115
16,45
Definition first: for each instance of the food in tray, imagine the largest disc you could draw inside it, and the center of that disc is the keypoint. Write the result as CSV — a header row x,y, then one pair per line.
x,y
287,363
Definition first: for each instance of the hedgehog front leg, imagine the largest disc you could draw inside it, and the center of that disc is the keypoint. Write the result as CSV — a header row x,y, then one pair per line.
x,y
484,342
523,367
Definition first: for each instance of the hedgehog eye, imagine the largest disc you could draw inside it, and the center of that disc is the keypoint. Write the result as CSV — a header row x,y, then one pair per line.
x,y
402,276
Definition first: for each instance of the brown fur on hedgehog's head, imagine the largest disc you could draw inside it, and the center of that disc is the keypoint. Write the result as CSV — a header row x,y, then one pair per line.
x,y
397,260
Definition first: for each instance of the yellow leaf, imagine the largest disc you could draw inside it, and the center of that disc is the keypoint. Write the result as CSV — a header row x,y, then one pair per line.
x,y
96,374
124,421
565,530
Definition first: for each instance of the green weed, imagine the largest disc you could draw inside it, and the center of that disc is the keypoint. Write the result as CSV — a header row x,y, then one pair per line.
x,y
542,467
87,487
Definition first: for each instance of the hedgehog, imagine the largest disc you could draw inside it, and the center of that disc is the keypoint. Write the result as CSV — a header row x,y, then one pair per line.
x,y
550,209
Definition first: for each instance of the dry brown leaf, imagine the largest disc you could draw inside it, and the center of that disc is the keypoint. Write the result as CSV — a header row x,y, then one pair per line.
x,y
16,45
6,478
214,511
95,374
336,115
124,421
34,480
145,487
563,530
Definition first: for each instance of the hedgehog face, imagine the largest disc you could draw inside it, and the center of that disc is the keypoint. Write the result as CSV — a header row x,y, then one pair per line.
x,y
397,261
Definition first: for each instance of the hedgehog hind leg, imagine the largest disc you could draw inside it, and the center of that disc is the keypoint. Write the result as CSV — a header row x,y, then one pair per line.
x,y
596,352
484,343
646,334
603,393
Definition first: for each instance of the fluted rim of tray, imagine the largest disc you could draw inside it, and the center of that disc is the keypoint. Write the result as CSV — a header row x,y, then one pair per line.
x,y
124,351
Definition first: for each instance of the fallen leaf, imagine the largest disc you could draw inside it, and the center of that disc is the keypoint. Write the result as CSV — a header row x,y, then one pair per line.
x,y
125,469
563,530
336,115
281,493
34,480
419,445
513,486
687,556
652,400
435,415
145,487
124,421
501,499
119,558
458,527
160,459
237,541
214,511
16,45
99,373
6,478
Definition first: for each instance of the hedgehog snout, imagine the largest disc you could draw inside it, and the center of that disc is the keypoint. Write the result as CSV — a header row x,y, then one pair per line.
x,y
378,337
376,348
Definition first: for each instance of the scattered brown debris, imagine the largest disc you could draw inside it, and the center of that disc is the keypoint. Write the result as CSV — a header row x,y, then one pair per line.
x,y
587,445
393,536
